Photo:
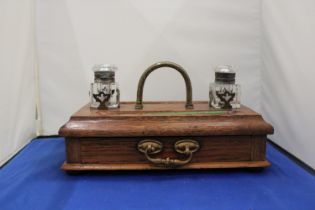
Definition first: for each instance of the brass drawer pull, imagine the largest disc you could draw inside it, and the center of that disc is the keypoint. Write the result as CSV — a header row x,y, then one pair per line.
x,y
186,147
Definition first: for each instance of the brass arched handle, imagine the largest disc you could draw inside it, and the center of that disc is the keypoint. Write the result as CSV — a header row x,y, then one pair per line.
x,y
186,147
189,104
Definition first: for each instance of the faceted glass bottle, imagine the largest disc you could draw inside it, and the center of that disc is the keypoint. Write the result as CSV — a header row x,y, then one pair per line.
x,y
104,92
224,93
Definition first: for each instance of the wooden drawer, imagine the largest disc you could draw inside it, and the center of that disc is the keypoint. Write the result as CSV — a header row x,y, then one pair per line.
x,y
122,153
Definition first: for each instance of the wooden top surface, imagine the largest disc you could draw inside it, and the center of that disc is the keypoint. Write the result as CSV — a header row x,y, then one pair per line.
x,y
160,109
164,119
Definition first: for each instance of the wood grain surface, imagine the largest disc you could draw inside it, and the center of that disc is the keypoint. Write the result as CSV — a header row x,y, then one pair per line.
x,y
164,119
108,139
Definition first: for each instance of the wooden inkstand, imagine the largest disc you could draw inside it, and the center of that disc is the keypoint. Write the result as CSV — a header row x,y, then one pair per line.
x,y
164,135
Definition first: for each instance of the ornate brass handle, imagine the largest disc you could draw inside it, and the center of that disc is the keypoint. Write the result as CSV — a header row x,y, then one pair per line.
x,y
189,104
186,147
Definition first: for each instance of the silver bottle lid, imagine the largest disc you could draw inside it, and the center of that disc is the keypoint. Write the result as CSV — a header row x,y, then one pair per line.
x,y
104,72
225,74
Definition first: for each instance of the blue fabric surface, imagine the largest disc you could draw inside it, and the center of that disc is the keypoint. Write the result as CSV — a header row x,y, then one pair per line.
x,y
33,180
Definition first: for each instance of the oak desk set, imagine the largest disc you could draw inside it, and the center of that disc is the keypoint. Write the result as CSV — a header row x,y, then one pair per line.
x,y
109,135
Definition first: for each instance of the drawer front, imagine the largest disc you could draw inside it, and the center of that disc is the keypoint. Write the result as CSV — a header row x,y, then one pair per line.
x,y
125,150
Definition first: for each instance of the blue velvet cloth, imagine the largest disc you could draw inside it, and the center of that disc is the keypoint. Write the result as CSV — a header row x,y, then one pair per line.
x,y
33,180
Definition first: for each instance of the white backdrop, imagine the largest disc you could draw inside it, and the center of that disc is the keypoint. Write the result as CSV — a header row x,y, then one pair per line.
x,y
288,53
17,112
276,37
73,35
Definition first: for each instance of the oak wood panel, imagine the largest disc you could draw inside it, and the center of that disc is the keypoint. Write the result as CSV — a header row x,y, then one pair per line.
x,y
73,151
258,147
164,119
124,150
